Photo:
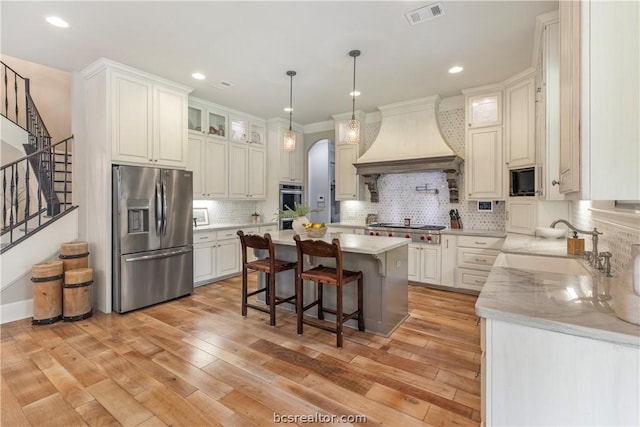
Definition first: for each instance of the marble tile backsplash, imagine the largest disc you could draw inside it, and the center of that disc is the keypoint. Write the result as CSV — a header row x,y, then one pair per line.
x,y
230,211
399,198
616,239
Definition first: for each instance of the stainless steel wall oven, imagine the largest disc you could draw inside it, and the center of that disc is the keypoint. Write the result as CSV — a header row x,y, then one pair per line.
x,y
289,196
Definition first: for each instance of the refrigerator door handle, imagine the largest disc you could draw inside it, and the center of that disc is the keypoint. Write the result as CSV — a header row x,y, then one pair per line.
x,y
158,209
163,255
164,208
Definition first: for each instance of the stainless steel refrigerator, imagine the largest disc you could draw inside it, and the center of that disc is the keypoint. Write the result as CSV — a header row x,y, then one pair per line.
x,y
152,236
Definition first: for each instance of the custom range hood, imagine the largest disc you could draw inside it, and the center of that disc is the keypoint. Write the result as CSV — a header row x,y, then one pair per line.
x,y
409,141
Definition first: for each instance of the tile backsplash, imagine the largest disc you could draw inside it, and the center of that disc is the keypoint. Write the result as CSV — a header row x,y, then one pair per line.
x,y
229,211
399,198
616,238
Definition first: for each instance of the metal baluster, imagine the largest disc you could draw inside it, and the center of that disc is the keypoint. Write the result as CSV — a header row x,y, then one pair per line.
x,y
66,162
11,190
6,94
4,198
15,89
39,172
52,177
26,199
17,195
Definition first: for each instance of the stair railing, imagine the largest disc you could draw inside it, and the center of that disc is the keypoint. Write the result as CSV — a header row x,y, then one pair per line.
x,y
19,108
18,213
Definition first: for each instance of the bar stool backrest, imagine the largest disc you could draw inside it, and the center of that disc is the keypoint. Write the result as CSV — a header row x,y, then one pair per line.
x,y
255,241
322,249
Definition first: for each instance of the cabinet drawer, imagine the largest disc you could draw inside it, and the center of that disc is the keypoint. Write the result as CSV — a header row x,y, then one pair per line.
x,y
472,279
268,229
227,234
247,230
204,236
476,258
481,242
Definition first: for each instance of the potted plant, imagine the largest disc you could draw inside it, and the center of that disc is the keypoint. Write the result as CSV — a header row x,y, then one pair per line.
x,y
299,214
255,217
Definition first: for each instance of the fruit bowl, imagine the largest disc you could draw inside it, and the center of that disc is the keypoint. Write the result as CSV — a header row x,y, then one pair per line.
x,y
551,233
316,233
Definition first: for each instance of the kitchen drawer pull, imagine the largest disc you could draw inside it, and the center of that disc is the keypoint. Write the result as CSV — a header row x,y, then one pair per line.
x,y
480,243
480,260
479,282
203,238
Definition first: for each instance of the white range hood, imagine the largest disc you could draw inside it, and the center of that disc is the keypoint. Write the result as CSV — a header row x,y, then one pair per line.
x,y
409,141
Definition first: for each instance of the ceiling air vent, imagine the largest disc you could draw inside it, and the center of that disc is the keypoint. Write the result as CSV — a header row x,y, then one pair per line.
x,y
222,85
425,13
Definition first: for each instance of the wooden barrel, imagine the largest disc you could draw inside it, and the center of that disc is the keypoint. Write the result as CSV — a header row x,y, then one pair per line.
x,y
74,255
76,294
46,287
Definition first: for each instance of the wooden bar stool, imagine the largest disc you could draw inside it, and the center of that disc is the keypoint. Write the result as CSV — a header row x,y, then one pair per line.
x,y
326,276
269,266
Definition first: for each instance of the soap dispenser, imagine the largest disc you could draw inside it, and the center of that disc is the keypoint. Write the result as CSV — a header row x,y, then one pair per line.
x,y
575,246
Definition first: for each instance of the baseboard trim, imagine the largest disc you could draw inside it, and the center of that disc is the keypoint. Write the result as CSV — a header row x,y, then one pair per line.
x,y
16,311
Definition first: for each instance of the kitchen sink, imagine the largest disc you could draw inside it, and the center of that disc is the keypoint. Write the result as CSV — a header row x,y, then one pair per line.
x,y
541,263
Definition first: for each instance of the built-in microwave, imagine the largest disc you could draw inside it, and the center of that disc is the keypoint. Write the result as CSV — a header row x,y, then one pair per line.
x,y
522,182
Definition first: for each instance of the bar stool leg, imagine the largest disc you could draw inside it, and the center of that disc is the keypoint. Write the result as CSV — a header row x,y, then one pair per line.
x,y
339,317
244,291
360,305
271,291
299,302
320,305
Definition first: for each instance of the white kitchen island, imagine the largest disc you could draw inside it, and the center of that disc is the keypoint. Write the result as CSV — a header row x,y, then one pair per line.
x,y
384,264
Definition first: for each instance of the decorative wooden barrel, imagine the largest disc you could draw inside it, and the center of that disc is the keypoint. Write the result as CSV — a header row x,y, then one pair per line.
x,y
46,286
76,297
74,255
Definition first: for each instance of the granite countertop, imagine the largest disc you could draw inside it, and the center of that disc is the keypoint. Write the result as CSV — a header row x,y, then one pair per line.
x,y
553,301
356,243
229,226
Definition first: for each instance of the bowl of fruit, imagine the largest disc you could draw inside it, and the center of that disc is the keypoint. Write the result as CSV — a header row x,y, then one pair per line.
x,y
315,231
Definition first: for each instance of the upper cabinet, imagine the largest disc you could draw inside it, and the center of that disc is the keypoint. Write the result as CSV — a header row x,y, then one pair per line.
x,y
147,115
290,163
610,97
484,164
207,120
520,144
484,109
244,129
349,185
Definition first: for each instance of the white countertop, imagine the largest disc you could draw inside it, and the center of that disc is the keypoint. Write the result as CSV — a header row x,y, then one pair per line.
x,y
356,243
483,233
229,226
552,301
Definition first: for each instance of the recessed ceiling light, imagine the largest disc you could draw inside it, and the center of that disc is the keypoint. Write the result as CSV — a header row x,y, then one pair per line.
x,y
455,69
198,76
58,22
288,109
354,93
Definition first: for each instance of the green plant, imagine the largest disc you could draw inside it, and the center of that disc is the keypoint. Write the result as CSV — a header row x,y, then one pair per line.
x,y
297,211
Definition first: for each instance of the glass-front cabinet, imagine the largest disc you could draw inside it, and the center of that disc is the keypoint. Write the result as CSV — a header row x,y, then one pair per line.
x,y
239,129
258,134
207,121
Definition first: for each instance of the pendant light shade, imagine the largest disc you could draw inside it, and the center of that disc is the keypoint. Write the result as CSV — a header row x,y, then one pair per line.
x,y
289,142
353,125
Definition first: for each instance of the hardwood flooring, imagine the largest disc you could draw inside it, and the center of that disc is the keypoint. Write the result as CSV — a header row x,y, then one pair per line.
x,y
197,362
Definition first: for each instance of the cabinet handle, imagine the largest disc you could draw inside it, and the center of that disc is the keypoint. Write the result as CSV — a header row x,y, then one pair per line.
x,y
479,282
447,241
203,238
151,160
554,182
156,160
506,163
480,243
480,260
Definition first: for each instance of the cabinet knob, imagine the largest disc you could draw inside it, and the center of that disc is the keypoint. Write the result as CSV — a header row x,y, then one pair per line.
x,y
554,182
156,160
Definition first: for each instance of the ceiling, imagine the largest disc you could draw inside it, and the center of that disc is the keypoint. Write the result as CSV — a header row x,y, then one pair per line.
x,y
253,44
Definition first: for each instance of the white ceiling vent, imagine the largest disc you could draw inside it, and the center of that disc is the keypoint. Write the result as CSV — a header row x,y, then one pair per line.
x,y
425,13
222,85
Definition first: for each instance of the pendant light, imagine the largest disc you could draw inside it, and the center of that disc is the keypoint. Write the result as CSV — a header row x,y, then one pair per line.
x,y
353,125
289,143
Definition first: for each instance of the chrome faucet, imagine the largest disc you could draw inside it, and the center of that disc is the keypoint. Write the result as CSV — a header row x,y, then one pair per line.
x,y
593,257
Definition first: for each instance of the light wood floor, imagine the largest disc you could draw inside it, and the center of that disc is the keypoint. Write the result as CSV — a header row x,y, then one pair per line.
x,y
196,362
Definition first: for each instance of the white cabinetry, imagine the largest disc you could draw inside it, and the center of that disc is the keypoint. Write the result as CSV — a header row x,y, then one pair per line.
x,y
449,245
521,215
148,117
204,257
570,96
610,129
520,144
247,172
349,185
424,263
474,259
207,119
208,161
484,109
245,129
538,377
484,167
